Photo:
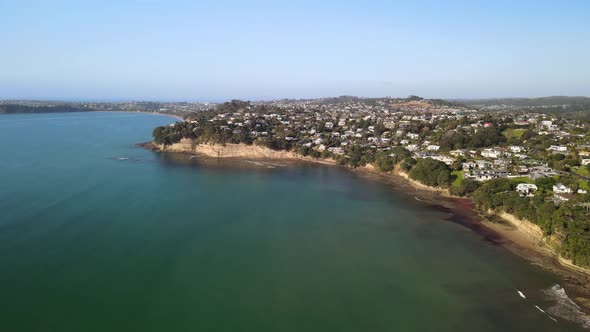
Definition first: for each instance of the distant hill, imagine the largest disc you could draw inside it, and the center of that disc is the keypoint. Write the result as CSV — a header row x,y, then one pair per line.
x,y
533,102
368,101
61,108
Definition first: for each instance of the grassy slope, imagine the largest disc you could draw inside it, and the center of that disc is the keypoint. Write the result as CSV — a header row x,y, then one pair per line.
x,y
513,133
458,178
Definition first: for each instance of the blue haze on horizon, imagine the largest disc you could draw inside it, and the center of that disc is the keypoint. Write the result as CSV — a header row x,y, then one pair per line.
x,y
224,49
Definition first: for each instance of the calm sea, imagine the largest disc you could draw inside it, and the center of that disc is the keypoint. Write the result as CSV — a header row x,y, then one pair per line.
x,y
99,235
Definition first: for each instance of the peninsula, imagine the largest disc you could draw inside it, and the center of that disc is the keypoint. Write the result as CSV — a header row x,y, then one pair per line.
x,y
526,164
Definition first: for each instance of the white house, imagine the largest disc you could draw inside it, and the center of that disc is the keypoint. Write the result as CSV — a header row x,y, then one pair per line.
x,y
336,150
558,148
457,153
489,153
516,148
585,162
445,159
432,148
469,165
561,189
526,189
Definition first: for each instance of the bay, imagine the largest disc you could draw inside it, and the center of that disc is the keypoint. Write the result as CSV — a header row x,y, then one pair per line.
x,y
97,234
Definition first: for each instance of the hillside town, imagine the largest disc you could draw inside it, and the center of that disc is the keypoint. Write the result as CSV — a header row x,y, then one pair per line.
x,y
475,145
530,165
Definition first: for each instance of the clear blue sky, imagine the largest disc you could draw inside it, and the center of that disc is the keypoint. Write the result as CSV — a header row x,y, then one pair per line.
x,y
217,50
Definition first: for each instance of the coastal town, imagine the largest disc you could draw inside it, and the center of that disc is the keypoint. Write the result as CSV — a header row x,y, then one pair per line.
x,y
529,165
475,145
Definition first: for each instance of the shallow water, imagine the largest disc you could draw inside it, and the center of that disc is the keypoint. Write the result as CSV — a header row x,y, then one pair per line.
x,y
99,235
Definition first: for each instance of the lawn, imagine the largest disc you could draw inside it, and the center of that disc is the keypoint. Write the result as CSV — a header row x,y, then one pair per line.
x,y
513,132
581,170
583,185
458,178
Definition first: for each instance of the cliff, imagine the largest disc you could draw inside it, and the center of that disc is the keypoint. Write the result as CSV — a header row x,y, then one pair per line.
x,y
243,151
529,235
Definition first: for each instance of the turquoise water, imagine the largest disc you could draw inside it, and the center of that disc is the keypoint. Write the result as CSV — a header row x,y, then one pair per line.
x,y
99,235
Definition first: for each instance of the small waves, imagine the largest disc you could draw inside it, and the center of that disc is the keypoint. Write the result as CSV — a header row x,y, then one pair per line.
x,y
564,307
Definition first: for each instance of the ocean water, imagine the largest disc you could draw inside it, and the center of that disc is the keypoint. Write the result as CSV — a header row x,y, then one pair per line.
x,y
99,235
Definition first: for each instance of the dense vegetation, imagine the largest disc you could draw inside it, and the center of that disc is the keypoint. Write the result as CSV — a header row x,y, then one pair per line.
x,y
568,223
485,137
431,172
65,108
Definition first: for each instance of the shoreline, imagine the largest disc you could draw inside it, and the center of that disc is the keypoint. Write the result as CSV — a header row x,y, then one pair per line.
x,y
130,112
141,112
502,229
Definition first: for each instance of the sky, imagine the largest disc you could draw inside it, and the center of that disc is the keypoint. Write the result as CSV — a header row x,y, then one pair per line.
x,y
220,50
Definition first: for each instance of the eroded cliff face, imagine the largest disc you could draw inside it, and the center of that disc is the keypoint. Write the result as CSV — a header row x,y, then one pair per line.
x,y
532,231
230,151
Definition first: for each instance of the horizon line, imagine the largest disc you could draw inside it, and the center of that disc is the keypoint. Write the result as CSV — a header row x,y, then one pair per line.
x,y
218,101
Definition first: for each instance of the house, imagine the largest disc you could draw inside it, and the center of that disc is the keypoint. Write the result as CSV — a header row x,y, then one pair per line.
x,y
432,148
389,124
469,165
489,153
526,189
561,189
482,164
516,149
411,147
336,150
457,153
500,162
482,175
557,148
445,159
585,162
404,124
499,173
549,125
